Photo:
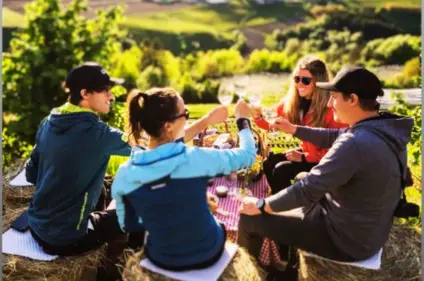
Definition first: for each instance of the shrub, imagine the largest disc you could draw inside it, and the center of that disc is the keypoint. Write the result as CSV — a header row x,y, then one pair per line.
x,y
218,63
406,18
53,42
414,146
393,50
152,76
159,67
13,148
353,20
409,78
269,61
318,11
127,65
188,89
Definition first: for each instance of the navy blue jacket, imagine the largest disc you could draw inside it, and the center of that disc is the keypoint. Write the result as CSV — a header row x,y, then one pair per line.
x,y
68,165
164,191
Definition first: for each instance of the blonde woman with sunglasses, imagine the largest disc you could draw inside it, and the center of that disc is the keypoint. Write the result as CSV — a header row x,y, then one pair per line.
x,y
305,105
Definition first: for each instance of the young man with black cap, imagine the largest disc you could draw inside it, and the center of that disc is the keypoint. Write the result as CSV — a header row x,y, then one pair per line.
x,y
69,162
343,209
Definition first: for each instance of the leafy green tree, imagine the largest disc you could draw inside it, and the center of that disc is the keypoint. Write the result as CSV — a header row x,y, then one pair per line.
x,y
54,41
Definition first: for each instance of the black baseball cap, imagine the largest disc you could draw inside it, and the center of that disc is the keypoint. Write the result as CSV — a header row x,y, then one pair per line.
x,y
90,76
355,80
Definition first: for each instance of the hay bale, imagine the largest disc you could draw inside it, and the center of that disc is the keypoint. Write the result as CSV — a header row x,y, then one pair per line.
x,y
77,268
243,267
15,197
401,261
15,201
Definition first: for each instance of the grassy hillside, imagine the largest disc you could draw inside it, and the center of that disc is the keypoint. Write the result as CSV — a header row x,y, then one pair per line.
x,y
214,19
12,18
205,26
378,3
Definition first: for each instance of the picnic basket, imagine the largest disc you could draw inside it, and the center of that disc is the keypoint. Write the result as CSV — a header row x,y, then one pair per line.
x,y
254,172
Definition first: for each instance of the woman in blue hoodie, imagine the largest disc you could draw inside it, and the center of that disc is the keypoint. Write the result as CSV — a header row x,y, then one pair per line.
x,y
163,189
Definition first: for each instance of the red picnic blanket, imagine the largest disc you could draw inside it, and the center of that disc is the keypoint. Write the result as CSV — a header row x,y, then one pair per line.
x,y
231,204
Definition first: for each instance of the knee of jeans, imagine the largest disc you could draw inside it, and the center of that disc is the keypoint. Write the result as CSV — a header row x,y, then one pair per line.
x,y
300,176
267,165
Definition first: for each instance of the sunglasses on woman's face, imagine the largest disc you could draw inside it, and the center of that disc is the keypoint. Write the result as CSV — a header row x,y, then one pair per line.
x,y
186,114
305,80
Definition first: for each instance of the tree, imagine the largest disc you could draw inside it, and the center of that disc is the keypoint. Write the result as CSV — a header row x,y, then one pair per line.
x,y
54,41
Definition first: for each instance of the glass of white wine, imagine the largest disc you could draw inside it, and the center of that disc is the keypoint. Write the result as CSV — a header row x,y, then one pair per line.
x,y
225,94
255,99
270,115
225,97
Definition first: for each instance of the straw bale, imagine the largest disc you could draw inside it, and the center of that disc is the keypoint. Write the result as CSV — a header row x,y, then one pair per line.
x,y
243,267
401,261
83,267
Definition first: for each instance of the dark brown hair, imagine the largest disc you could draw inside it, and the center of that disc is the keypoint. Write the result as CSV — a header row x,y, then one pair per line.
x,y
365,104
149,112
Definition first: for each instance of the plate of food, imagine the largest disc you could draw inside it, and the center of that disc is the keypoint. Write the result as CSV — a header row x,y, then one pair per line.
x,y
241,193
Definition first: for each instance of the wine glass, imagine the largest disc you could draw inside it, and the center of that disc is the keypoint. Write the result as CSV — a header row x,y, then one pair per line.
x,y
241,86
225,94
270,115
225,97
255,99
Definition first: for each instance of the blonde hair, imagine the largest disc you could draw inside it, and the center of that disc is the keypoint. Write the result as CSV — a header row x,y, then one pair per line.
x,y
320,97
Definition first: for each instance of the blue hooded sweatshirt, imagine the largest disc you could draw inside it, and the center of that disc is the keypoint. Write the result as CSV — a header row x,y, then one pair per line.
x,y
68,165
164,191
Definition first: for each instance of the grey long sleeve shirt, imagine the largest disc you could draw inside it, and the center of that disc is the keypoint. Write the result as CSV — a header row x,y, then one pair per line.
x,y
357,183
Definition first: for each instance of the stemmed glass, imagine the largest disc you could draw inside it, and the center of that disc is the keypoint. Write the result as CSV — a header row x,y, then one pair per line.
x,y
270,115
225,97
241,86
255,99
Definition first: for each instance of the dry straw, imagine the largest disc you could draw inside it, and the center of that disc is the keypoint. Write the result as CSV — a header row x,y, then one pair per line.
x,y
15,201
401,261
243,267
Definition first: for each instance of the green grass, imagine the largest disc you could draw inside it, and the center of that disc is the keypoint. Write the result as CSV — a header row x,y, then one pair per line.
x,y
201,109
209,26
379,3
213,19
12,18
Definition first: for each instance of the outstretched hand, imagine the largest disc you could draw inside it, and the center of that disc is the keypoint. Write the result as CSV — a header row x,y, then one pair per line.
x,y
294,155
248,207
283,125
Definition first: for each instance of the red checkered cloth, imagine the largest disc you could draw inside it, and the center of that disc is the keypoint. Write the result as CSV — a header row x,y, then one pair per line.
x,y
231,205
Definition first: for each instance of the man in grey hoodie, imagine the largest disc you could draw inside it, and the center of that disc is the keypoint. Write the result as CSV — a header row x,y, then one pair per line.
x,y
343,209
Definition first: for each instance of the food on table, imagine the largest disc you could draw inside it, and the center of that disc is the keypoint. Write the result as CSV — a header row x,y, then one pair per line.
x,y
209,140
243,192
221,191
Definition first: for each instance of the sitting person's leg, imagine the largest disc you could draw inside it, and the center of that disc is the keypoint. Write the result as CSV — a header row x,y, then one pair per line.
x,y
269,165
106,228
302,228
279,171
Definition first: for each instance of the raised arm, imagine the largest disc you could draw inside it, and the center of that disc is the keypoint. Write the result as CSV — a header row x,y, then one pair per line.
x,y
215,116
212,162
321,137
112,141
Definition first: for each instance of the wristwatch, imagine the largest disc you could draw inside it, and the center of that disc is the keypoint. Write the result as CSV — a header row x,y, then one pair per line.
x,y
260,204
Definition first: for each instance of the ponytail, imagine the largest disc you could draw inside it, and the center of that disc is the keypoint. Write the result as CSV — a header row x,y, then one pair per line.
x,y
136,103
